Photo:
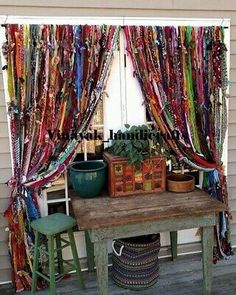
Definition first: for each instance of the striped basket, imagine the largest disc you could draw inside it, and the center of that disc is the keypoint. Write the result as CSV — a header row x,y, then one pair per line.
x,y
135,261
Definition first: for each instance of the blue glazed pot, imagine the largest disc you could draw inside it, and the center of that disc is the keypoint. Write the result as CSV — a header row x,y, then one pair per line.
x,y
88,177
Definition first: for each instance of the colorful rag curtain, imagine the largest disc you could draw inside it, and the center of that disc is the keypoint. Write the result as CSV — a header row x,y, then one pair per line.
x,y
56,76
183,76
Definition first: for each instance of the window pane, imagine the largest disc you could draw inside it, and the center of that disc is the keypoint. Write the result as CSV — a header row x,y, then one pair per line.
x,y
94,143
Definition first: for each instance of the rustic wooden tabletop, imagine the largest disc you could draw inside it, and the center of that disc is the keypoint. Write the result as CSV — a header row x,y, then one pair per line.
x,y
104,211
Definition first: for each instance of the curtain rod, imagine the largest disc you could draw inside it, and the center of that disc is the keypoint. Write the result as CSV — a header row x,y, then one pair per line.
x,y
4,25
119,20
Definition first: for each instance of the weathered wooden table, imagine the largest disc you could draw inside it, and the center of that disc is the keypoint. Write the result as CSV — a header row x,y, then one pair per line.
x,y
105,218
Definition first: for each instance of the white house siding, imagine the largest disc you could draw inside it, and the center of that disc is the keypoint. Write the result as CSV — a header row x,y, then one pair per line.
x,y
5,173
168,8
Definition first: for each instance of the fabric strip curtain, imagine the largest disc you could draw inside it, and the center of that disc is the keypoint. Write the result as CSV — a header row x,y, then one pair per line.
x,y
183,76
56,76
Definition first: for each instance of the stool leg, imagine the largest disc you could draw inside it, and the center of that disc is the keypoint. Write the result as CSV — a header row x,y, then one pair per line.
x,y
35,262
51,265
76,258
59,255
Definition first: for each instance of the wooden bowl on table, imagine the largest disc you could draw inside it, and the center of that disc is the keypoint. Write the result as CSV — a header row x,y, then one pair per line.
x,y
180,183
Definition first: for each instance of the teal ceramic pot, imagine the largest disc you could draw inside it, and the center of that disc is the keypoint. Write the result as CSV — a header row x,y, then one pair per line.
x,y
88,177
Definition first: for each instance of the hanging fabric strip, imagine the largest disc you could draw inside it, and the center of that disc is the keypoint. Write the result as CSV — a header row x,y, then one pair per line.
x,y
183,77
56,77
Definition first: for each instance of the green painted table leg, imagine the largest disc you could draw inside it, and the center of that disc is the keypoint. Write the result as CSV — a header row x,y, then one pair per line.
x,y
59,255
101,258
51,265
76,258
90,252
173,242
36,262
207,253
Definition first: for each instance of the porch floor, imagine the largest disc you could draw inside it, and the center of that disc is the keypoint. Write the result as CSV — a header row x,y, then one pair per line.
x,y
183,276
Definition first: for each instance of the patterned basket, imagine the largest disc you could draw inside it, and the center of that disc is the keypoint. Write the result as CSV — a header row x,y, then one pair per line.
x,y
135,261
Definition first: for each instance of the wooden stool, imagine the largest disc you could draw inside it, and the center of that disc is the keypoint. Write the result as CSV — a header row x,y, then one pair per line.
x,y
52,226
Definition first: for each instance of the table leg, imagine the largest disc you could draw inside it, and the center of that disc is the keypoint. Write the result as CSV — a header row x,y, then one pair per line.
x,y
101,258
90,252
173,243
207,255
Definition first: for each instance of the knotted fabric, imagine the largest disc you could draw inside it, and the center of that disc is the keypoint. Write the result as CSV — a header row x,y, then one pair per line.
x,y
182,73
56,76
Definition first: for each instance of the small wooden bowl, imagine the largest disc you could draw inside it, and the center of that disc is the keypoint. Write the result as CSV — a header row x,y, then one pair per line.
x,y
180,183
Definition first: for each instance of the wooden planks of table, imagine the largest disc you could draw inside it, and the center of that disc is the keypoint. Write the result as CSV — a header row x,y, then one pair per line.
x,y
105,218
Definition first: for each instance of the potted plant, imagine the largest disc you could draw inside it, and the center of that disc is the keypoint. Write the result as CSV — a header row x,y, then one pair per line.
x,y
136,163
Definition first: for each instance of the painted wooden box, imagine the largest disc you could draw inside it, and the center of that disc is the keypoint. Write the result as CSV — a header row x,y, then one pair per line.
x,y
146,177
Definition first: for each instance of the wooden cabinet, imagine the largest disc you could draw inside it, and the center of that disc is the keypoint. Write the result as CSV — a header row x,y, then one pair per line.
x,y
146,177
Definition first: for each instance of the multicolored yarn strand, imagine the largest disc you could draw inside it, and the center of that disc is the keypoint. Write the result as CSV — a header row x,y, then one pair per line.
x,y
56,76
183,76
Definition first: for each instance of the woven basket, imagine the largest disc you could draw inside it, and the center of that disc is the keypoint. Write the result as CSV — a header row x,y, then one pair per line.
x,y
135,262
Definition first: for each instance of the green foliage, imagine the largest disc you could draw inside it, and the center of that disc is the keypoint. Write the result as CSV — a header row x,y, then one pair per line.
x,y
136,142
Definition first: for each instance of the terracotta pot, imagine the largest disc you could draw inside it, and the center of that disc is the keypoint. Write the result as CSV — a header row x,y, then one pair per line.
x,y
180,183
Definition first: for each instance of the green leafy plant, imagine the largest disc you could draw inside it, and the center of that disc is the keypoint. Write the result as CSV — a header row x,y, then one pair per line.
x,y
136,143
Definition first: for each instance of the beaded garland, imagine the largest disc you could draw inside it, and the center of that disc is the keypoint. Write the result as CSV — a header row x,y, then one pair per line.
x,y
56,76
182,73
